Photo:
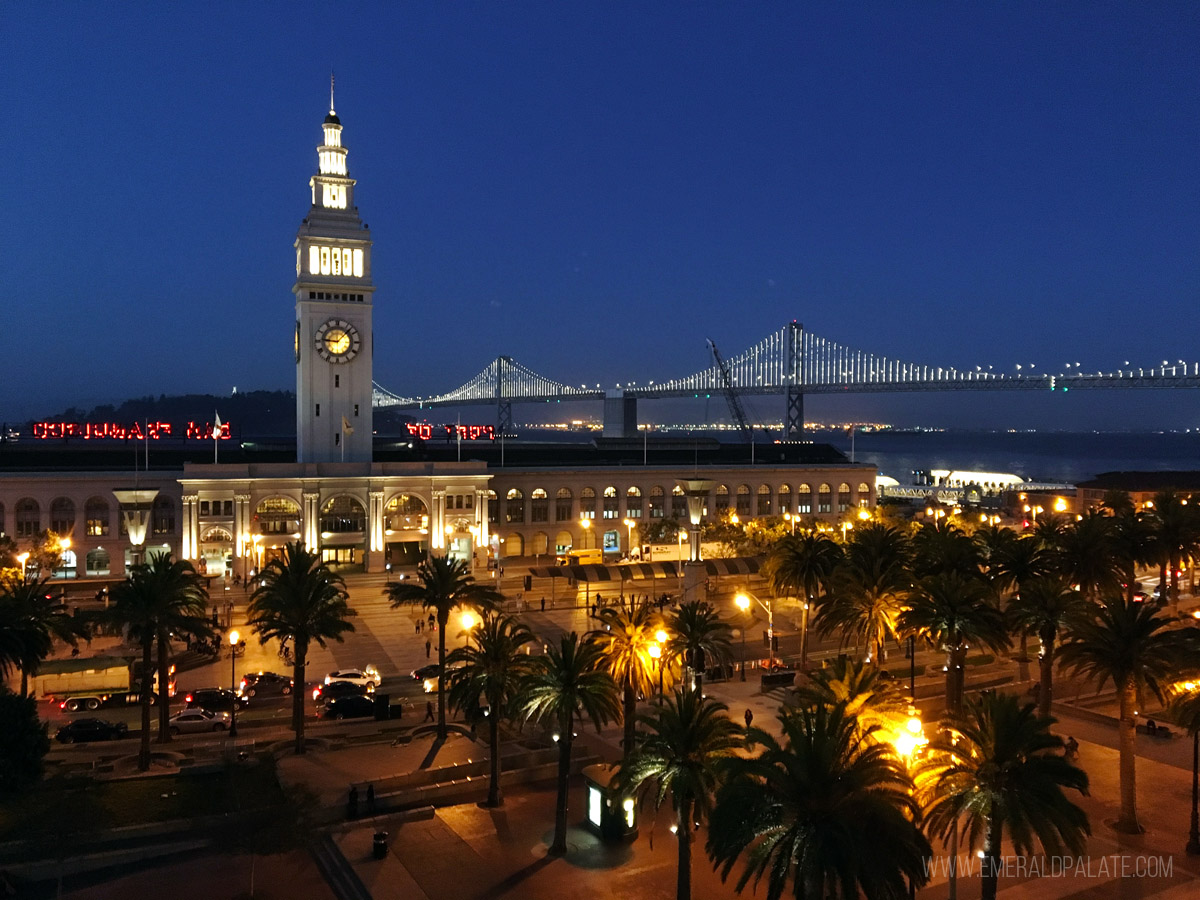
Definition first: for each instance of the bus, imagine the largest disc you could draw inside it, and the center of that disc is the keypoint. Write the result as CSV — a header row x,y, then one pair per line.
x,y
581,558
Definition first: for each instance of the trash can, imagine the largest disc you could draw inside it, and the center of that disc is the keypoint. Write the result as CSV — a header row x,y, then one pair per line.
x,y
383,707
379,846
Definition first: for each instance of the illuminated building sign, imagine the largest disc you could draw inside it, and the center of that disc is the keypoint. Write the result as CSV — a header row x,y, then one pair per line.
x,y
427,432
138,431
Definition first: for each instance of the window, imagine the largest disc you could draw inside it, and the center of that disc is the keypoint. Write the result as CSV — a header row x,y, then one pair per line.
x,y
356,409
277,515
62,516
657,502
785,498
743,501
493,508
764,500
633,503
611,507
824,502
539,509
843,497
27,518
343,514
679,509
97,562
204,507
514,507
337,380
864,495
404,513
804,499
562,505
722,500
587,503
95,513
318,409
162,516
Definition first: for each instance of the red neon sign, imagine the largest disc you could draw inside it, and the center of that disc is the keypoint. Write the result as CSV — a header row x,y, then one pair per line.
x,y
426,432
114,431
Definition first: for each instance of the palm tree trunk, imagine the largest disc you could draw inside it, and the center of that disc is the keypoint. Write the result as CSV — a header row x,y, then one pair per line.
x,y
1023,657
804,634
24,682
144,699
1175,581
1046,668
990,876
164,693
956,675
443,618
630,716
494,797
559,846
683,833
298,690
1127,745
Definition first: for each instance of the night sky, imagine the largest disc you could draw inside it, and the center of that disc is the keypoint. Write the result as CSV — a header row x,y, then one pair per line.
x,y
596,188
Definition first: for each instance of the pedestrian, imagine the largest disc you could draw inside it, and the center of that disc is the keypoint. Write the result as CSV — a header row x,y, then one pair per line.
x,y
429,717
749,717
428,647
543,604
370,799
418,631
432,622
352,804
1072,748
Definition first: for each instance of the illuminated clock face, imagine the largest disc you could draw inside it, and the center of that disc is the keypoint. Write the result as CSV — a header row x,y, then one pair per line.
x,y
337,341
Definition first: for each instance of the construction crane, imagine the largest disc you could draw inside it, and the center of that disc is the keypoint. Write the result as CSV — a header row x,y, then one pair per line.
x,y
731,395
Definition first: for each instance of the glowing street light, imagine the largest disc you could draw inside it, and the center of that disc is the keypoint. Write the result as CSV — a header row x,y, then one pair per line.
x,y
656,651
743,599
468,620
586,524
629,523
791,520
22,558
743,603
234,638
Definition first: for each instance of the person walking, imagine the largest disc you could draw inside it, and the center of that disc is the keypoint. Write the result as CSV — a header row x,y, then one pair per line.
x,y
429,716
428,647
749,717
543,604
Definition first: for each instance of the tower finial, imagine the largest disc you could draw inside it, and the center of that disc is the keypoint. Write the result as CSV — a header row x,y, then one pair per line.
x,y
331,90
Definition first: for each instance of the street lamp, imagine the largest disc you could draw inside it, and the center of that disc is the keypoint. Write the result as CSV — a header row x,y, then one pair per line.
x,y
586,525
743,603
469,620
743,600
234,637
791,520
22,558
629,523
655,652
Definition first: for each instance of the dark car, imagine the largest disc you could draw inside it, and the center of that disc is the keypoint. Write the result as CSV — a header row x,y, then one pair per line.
x,y
215,699
323,693
255,683
352,707
430,671
82,730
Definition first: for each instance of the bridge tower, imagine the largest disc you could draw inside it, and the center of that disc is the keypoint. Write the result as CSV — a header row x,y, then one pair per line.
x,y
334,344
504,425
793,382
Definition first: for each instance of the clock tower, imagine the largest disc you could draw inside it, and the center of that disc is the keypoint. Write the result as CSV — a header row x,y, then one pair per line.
x,y
334,345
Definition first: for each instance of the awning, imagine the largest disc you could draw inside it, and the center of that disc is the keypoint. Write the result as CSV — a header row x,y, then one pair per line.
x,y
748,565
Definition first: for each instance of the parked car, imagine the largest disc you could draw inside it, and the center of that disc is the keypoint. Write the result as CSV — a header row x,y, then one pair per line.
x,y
255,683
83,730
195,720
368,677
216,699
426,672
351,707
323,693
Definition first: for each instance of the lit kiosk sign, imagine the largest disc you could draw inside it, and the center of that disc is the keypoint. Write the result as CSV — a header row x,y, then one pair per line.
x,y
137,431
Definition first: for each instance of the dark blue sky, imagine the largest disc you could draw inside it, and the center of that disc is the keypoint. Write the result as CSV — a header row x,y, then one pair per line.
x,y
595,188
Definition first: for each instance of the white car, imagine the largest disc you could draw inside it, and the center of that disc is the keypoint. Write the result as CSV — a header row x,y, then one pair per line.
x,y
191,721
367,677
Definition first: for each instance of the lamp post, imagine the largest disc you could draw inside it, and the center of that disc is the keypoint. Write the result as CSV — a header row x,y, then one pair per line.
x,y
743,600
655,651
469,620
234,637
586,525
629,523
23,558
791,520
682,537
743,603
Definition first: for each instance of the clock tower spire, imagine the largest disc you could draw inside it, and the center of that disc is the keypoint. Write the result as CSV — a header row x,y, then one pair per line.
x,y
334,296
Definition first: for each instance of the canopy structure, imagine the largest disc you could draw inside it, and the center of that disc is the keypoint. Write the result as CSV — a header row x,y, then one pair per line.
x,y
593,574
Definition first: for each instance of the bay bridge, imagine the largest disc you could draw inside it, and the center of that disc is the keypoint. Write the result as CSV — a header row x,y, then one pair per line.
x,y
789,362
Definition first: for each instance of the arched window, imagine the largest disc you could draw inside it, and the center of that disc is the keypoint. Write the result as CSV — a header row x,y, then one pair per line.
x,y
722,500
743,501
764,500
62,516
587,503
657,502
539,510
493,508
785,499
343,515
95,514
563,511
162,516
563,542
514,545
514,506
824,499
28,517
97,562
404,512
633,503
843,497
540,544
864,495
611,503
679,504
804,500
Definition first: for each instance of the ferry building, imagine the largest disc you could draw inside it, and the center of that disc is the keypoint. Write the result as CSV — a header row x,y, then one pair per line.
x,y
364,512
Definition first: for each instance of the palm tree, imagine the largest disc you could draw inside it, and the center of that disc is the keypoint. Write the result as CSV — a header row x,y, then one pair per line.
x,y
687,739
626,637
489,671
443,584
299,600
135,609
1087,557
1001,769
869,588
827,807
699,638
1014,564
1176,528
568,684
1137,649
941,546
31,620
950,611
1044,607
803,564
1133,544
1185,709
182,603
868,693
